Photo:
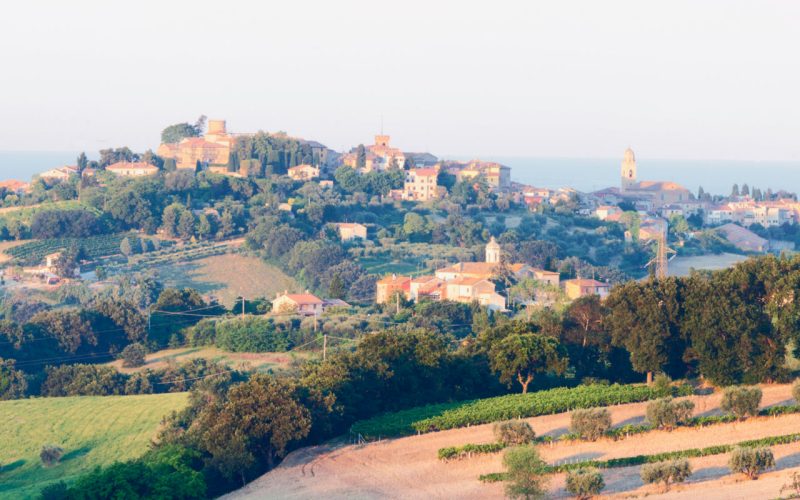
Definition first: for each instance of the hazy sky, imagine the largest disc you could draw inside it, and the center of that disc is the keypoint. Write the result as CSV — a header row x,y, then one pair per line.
x,y
673,79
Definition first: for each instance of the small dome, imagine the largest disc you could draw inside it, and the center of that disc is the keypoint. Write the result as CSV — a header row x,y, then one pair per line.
x,y
629,156
493,243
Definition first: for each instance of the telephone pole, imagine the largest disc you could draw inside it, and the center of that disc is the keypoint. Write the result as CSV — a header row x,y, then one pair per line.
x,y
242,306
324,347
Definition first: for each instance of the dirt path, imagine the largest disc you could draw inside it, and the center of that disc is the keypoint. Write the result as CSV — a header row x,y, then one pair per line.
x,y
408,467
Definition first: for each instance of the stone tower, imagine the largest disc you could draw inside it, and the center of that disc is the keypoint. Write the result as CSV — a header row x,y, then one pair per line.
x,y
493,251
628,170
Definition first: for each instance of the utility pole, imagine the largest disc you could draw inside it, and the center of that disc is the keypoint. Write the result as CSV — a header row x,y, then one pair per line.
x,y
242,306
315,321
324,347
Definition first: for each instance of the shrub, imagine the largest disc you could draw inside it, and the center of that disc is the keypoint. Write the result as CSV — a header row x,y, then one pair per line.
x,y
662,383
751,461
796,390
673,471
55,491
526,472
514,432
741,401
665,413
133,355
50,454
585,483
590,424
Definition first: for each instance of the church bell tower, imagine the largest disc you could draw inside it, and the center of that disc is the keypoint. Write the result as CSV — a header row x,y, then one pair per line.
x,y
628,170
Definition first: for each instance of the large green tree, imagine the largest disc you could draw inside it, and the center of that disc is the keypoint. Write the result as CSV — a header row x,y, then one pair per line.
x,y
519,357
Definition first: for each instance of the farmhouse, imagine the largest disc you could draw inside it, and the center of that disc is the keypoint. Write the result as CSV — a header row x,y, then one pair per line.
x,y
581,287
351,231
305,304
60,174
303,172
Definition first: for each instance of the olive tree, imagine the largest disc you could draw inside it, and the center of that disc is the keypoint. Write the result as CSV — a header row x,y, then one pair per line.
x,y
666,413
585,483
514,432
672,471
590,423
751,461
741,401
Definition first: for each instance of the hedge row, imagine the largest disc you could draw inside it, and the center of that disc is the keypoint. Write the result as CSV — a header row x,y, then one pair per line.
x,y
658,457
466,450
482,411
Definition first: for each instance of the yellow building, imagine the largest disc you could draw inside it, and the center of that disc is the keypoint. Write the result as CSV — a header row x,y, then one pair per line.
x,y
582,287
497,176
214,148
421,184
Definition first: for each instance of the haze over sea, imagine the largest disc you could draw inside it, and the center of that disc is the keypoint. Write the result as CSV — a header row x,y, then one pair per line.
x,y
583,174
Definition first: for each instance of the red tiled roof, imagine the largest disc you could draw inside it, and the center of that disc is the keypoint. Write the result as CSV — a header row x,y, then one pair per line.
x,y
304,298
424,172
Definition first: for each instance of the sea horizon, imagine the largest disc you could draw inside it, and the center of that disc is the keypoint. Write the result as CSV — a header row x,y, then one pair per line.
x,y
583,174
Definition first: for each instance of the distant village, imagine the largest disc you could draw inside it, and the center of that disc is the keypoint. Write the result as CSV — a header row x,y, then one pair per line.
x,y
655,203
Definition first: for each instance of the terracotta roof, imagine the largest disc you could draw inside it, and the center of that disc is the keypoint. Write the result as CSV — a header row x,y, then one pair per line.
x,y
660,186
424,172
14,184
303,298
466,281
396,280
469,267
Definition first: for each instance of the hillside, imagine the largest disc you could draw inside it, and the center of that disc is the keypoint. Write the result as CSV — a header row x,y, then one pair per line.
x,y
408,467
91,430
228,276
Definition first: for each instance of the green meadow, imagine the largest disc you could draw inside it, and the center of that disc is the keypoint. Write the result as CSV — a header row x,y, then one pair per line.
x,y
92,431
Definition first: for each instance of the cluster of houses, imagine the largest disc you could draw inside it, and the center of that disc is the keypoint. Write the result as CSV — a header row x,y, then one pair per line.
x,y
473,282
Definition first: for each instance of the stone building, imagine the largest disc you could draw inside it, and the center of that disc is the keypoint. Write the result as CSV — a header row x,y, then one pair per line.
x,y
214,148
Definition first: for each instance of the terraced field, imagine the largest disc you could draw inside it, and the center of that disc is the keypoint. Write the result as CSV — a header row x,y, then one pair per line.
x,y
92,431
409,467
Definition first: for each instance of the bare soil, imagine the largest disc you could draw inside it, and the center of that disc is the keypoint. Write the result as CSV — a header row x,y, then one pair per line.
x,y
408,467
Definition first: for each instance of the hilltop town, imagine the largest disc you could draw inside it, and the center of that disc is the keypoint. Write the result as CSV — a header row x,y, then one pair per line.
x,y
346,297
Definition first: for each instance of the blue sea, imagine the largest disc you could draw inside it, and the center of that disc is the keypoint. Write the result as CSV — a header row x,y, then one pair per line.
x,y
583,174
715,176
23,165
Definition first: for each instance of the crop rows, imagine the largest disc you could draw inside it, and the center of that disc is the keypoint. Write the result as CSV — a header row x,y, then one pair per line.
x,y
616,433
463,414
93,247
657,457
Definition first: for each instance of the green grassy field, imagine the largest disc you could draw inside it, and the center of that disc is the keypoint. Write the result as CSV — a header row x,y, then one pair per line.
x,y
92,431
